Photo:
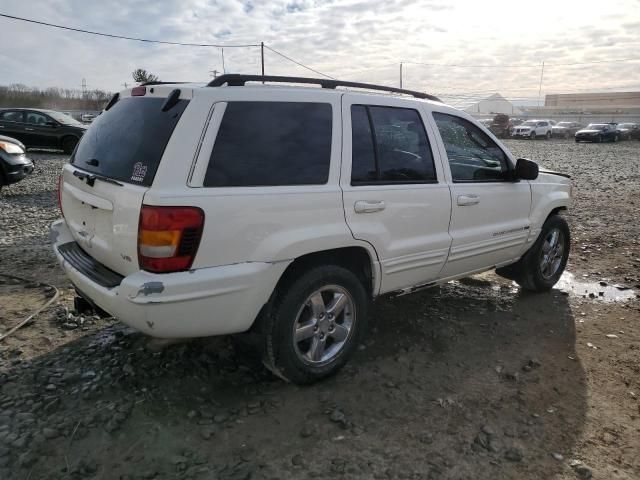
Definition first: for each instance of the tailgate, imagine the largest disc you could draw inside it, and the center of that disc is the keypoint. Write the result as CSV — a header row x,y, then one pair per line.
x,y
103,218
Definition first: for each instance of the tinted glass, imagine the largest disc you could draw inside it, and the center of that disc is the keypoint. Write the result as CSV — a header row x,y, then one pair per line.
x,y
271,143
35,118
127,141
473,156
11,116
395,151
363,158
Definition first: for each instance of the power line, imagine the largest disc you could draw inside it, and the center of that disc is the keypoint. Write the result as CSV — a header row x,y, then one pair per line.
x,y
298,63
531,65
146,40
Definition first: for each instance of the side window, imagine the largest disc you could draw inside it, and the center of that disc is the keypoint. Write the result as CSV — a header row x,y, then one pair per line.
x,y
473,156
12,116
35,118
270,144
390,145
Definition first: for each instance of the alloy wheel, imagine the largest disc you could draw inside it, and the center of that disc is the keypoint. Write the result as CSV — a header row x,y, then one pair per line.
x,y
324,324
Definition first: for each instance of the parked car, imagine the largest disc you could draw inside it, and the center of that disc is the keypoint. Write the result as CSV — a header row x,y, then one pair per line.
x,y
626,130
87,117
533,129
282,211
41,128
566,129
14,164
598,132
500,126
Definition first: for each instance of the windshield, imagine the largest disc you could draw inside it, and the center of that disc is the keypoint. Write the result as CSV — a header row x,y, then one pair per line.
x,y
63,118
626,125
597,126
530,123
563,124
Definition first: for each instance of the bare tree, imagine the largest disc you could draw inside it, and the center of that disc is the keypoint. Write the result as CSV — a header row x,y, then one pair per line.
x,y
140,75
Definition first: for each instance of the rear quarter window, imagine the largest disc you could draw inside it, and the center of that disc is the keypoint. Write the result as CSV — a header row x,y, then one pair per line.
x,y
127,141
271,144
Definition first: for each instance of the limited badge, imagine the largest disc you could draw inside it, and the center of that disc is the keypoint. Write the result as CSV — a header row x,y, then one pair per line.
x,y
139,172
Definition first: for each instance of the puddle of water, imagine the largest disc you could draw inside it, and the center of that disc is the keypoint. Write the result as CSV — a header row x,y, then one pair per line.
x,y
586,289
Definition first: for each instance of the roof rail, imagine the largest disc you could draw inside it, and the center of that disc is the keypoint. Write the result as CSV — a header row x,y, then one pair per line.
x,y
238,80
160,83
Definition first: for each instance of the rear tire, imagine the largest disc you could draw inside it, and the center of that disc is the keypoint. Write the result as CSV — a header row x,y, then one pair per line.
x,y
69,144
548,135
315,324
543,264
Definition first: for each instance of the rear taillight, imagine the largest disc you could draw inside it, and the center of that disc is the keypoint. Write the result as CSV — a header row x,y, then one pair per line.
x,y
168,238
60,182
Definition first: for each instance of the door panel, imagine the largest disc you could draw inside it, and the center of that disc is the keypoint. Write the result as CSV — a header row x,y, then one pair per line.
x,y
407,223
490,231
11,125
490,213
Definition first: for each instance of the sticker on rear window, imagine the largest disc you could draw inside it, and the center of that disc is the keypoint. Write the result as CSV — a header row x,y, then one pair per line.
x,y
139,172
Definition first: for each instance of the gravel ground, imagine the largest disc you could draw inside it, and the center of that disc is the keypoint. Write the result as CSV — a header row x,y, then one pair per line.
x,y
473,379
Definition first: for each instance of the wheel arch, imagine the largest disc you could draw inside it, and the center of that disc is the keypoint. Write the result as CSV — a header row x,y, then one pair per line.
x,y
360,260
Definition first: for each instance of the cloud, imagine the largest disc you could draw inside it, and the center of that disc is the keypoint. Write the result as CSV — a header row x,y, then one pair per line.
x,y
351,39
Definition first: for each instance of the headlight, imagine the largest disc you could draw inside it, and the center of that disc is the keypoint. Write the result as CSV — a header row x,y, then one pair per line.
x,y
11,148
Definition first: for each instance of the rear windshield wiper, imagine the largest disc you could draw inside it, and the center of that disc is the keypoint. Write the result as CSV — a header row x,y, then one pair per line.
x,y
91,178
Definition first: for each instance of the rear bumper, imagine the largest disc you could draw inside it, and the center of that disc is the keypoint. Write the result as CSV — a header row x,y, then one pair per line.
x,y
196,303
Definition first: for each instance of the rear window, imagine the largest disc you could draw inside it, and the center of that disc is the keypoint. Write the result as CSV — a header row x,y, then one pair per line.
x,y
127,142
270,144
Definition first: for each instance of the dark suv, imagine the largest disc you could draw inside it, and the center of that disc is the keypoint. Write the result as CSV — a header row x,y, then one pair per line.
x,y
41,128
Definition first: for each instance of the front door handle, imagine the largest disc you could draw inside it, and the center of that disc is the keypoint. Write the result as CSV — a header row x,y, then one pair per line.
x,y
29,129
466,200
369,206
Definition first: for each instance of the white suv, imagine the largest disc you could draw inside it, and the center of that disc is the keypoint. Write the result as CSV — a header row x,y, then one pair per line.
x,y
284,210
534,129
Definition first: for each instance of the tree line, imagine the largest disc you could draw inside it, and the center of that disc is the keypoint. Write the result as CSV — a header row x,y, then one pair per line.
x,y
22,96
18,95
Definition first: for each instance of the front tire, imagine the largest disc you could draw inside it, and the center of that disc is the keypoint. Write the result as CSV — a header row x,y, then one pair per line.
x,y
548,135
542,266
315,324
532,135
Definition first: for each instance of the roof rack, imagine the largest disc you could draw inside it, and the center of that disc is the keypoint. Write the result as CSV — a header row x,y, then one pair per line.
x,y
160,83
238,80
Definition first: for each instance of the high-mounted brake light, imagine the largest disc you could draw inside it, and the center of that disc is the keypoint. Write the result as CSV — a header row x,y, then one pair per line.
x,y
138,91
168,238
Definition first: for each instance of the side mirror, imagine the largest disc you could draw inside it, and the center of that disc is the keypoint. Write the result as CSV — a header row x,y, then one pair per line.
x,y
526,169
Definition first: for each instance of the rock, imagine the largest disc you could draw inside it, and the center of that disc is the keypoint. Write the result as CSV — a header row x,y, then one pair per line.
x,y
27,459
69,326
426,438
488,430
89,374
337,416
220,418
557,456
583,472
513,455
513,376
4,451
207,432
611,335
307,431
50,433
297,460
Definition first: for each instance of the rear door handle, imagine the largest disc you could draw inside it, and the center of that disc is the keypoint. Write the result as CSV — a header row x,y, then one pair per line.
x,y
466,200
29,129
369,206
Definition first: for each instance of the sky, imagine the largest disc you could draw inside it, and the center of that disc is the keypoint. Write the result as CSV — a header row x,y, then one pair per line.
x,y
348,39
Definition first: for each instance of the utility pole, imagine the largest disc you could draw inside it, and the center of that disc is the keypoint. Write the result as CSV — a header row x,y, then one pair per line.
x,y
84,87
125,84
400,74
262,57
214,73
224,70
540,89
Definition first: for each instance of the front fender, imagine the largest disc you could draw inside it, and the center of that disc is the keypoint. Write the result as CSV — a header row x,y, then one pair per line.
x,y
548,193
